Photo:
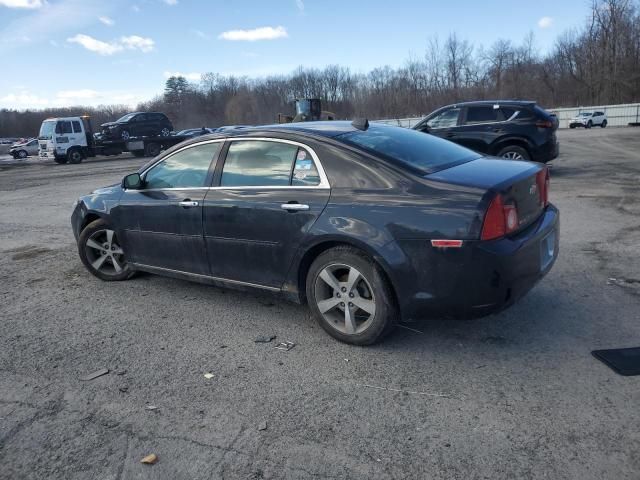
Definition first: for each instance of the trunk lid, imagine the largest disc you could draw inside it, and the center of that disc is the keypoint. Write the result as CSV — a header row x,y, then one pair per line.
x,y
516,181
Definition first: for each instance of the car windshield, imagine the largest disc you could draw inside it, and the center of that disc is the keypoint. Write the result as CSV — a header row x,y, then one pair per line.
x,y
46,130
586,114
126,118
420,151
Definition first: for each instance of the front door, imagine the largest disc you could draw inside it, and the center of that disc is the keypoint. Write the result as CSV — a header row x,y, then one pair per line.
x,y
162,223
444,124
270,193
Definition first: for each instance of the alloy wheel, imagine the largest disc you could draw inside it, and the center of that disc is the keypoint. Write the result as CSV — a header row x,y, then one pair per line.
x,y
512,156
104,253
345,298
125,135
165,132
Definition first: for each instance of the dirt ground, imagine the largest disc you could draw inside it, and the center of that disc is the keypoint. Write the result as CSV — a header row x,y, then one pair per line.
x,y
514,395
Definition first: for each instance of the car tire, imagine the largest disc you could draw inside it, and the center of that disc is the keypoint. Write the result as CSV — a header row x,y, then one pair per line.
x,y
74,155
22,154
60,160
514,152
589,124
603,124
125,135
152,149
572,126
102,254
346,273
165,132
138,153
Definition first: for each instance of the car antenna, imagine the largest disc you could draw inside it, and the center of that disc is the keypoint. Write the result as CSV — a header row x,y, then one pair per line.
x,y
360,123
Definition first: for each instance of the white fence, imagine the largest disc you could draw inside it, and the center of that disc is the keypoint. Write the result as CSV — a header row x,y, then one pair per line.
x,y
617,115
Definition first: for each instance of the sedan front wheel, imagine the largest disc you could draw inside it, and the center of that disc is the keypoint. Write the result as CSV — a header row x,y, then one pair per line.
x,y
350,297
101,253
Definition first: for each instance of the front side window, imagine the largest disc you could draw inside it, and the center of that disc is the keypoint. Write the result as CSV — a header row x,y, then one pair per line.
x,y
261,163
186,169
482,114
446,119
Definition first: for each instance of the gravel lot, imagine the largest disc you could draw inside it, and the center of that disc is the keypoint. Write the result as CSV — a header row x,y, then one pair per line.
x,y
515,395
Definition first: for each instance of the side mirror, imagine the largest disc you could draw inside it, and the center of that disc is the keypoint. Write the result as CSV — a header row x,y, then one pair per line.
x,y
132,181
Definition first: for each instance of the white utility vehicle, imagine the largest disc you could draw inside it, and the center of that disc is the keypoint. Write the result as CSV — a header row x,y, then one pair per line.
x,y
588,120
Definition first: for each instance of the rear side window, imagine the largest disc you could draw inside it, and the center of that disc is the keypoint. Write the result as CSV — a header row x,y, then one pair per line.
x,y
482,114
507,112
420,151
186,169
258,163
304,170
63,126
76,126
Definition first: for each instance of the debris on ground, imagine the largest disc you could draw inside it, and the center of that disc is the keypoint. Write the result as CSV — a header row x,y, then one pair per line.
x,y
150,459
262,425
442,395
286,346
121,372
150,407
123,388
409,328
208,375
264,338
96,374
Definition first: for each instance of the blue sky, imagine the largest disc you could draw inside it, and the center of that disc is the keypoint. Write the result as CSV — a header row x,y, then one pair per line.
x,y
69,52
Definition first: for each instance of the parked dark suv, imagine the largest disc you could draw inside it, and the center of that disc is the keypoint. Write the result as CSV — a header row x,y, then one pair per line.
x,y
511,129
137,124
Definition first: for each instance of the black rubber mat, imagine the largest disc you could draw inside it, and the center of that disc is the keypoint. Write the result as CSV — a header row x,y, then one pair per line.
x,y
625,361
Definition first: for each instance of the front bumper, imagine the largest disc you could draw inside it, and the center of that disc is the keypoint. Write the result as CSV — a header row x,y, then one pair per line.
x,y
482,277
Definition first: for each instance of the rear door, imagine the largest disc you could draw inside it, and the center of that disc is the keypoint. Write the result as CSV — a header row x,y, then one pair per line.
x,y
481,125
162,223
269,193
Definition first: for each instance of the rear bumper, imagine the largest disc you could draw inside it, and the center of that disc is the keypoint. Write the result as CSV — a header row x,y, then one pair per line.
x,y
481,277
546,152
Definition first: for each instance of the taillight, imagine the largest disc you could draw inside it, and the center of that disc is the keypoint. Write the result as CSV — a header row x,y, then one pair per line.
x,y
542,181
544,124
499,220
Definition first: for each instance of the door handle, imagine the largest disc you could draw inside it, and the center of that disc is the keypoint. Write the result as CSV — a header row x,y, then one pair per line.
x,y
451,135
188,203
294,207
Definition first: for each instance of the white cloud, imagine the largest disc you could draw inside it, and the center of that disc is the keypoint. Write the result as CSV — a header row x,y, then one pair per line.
x,y
135,8
300,5
107,21
193,76
171,2
21,3
545,22
94,45
133,42
262,33
23,100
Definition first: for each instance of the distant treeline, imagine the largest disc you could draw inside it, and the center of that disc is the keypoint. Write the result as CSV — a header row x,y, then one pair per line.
x,y
596,64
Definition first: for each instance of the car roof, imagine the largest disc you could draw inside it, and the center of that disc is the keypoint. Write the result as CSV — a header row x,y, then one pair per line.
x,y
528,103
329,128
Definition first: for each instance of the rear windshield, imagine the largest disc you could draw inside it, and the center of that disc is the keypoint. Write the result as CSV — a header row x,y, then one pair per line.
x,y
420,151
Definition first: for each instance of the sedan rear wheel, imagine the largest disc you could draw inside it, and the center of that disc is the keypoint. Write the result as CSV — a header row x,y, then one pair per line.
x,y
350,297
101,252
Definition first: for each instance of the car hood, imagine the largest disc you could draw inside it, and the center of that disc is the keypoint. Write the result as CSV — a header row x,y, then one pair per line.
x,y
110,124
106,190
580,118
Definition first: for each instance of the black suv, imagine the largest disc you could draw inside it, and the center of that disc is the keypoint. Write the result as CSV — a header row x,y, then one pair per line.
x,y
511,129
137,124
